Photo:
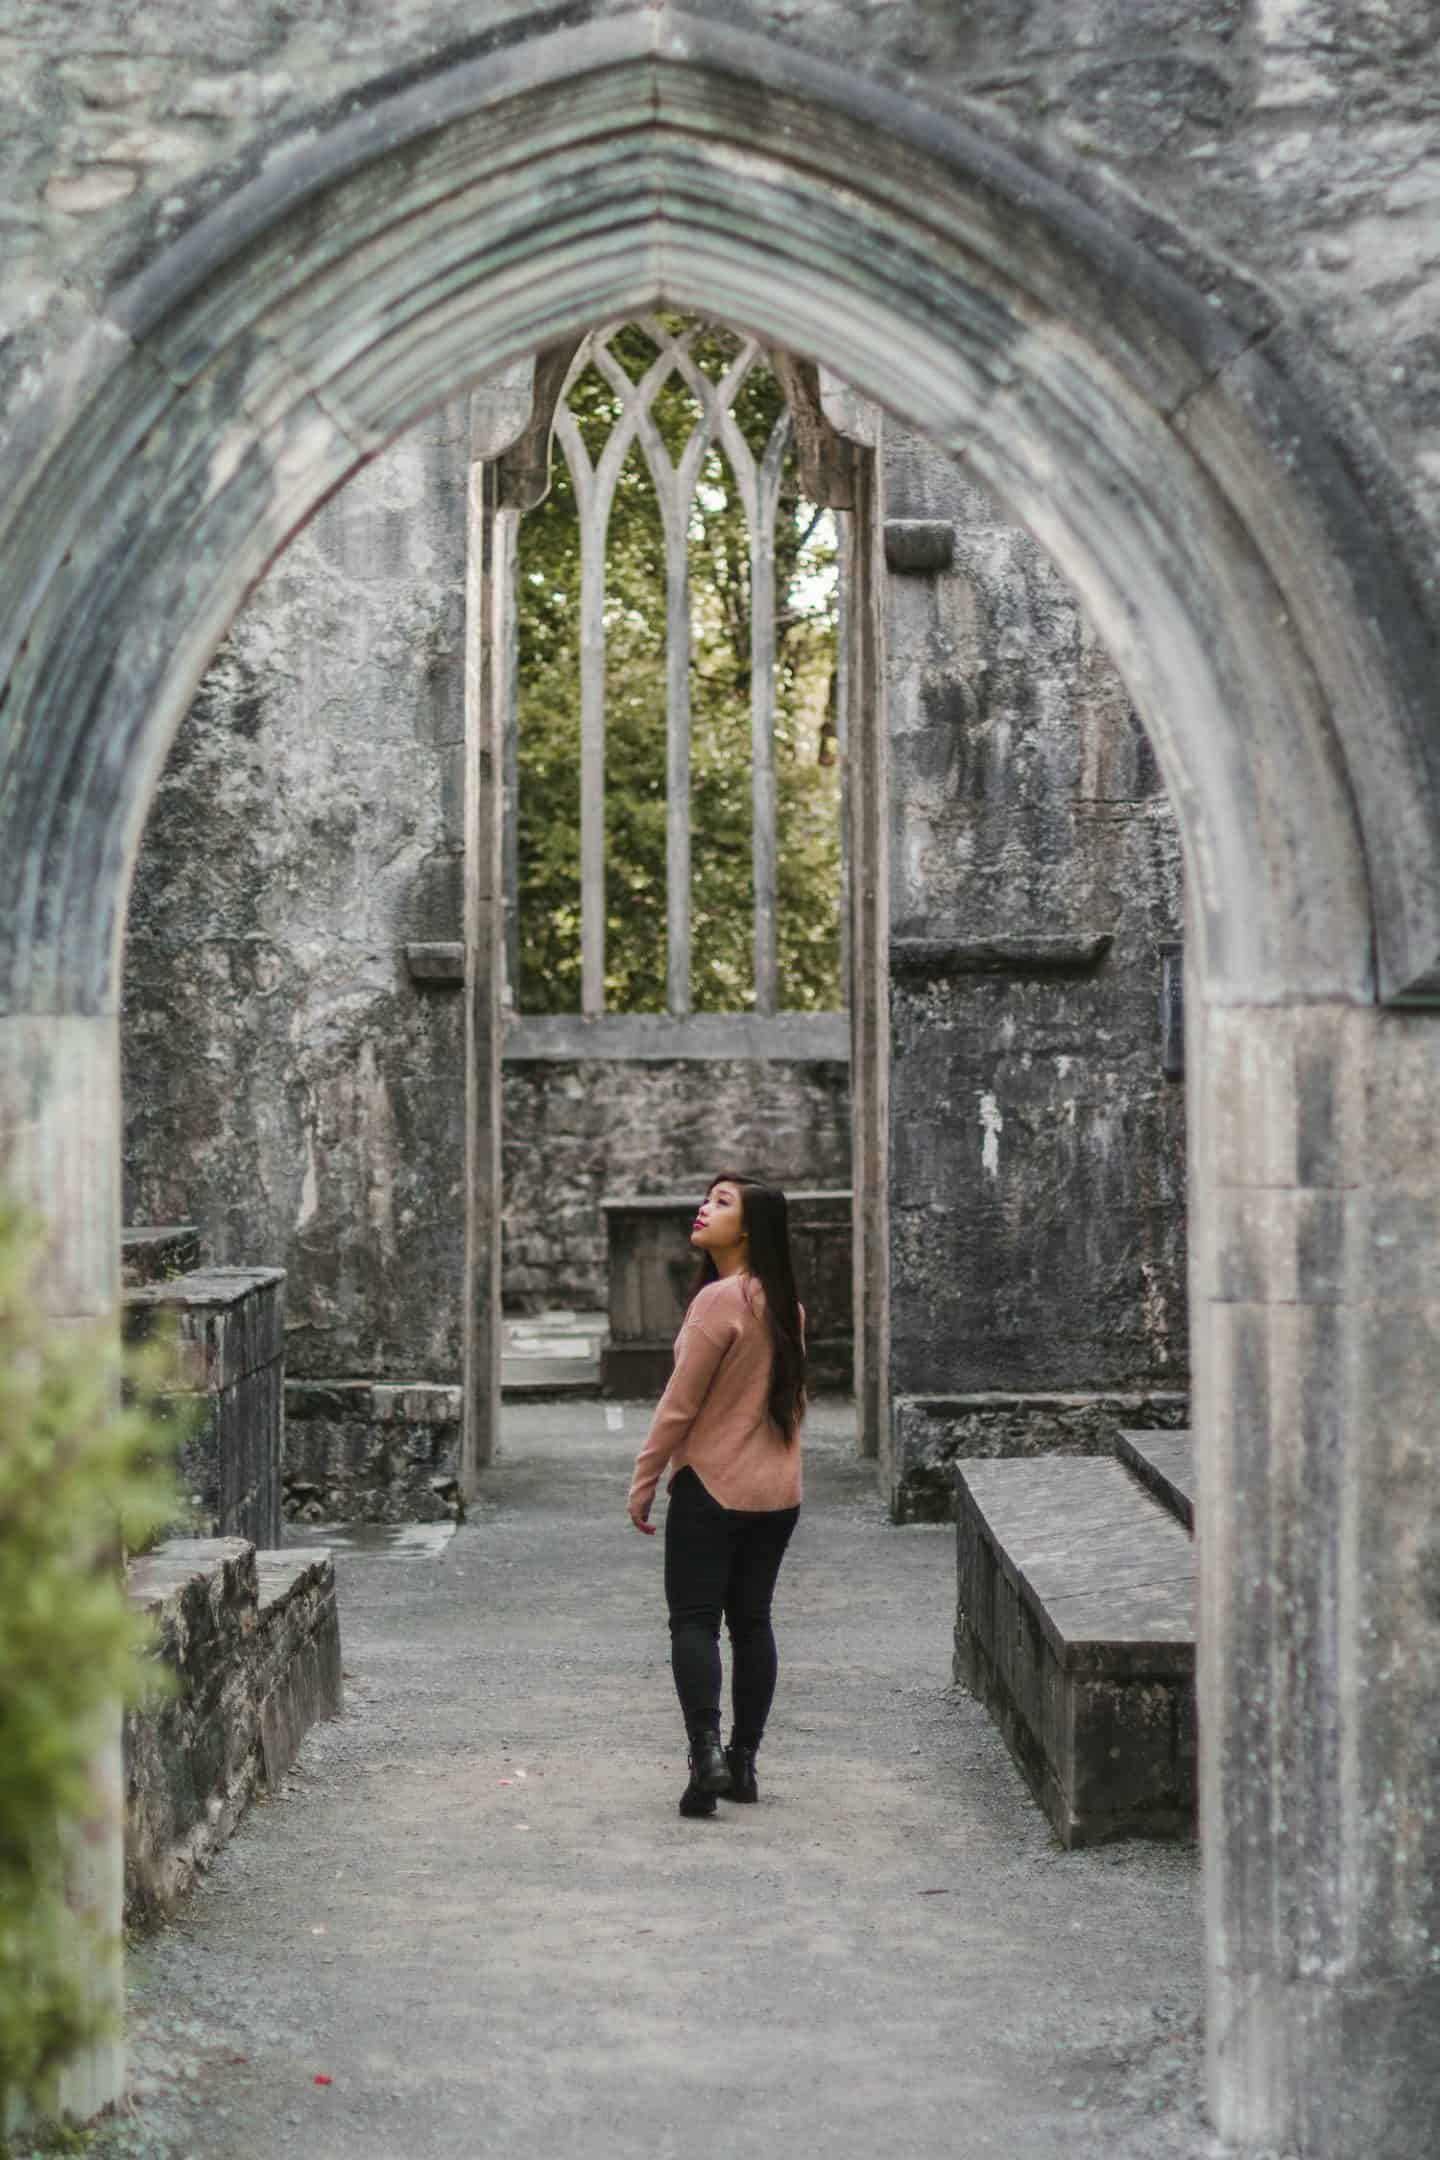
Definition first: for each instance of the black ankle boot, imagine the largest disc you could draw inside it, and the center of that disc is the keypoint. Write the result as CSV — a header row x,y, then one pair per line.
x,y
695,1802
709,1771
740,1762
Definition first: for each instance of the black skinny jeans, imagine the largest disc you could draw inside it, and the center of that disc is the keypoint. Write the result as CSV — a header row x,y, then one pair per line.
x,y
720,1559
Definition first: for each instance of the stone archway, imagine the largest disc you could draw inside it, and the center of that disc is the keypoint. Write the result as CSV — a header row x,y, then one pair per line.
x,y
1263,628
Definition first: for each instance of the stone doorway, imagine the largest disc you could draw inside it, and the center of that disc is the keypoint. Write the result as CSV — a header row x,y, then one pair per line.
x,y
1188,489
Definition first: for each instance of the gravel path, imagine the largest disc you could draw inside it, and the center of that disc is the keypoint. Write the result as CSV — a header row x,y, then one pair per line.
x,y
475,1912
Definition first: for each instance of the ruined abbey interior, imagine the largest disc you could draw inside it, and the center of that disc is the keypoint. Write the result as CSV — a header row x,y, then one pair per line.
x,y
1011,436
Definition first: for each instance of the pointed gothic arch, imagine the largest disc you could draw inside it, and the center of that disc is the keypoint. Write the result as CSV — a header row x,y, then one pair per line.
x,y
1193,495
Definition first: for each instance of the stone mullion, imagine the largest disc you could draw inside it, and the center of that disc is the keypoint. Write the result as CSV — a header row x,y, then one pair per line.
x,y
762,713
593,518
489,604
595,492
675,490
841,689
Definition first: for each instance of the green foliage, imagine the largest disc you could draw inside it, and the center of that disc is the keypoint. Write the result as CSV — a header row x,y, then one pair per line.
x,y
807,793
81,1476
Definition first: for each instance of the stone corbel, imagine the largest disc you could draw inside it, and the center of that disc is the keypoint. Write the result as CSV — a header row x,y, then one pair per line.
x,y
511,420
1031,953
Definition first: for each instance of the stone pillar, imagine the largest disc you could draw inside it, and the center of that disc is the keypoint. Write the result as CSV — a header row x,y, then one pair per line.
x,y
490,601
867,895
60,1154
1316,1307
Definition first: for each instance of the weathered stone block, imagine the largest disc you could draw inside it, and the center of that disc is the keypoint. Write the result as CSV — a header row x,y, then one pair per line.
x,y
1075,1625
919,547
230,1324
578,1129
358,1452
250,1652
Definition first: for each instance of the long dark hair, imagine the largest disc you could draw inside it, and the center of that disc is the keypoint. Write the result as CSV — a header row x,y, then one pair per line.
x,y
766,1216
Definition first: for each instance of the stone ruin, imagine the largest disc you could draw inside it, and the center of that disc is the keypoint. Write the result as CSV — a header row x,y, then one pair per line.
x,y
1156,287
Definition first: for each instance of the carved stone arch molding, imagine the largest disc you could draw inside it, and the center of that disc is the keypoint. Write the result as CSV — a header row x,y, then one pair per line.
x,y
1254,607
1151,436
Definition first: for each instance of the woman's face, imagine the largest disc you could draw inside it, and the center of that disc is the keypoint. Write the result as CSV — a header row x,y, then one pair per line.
x,y
719,1222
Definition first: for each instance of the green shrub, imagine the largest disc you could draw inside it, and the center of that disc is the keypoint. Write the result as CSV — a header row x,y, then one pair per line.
x,y
81,1477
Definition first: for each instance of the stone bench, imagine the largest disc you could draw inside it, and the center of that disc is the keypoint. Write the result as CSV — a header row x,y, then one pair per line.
x,y
1076,1627
252,1645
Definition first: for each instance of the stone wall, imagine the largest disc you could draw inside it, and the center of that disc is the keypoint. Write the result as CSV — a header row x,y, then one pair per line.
x,y
1037,1159
576,1131
361,1452
288,1088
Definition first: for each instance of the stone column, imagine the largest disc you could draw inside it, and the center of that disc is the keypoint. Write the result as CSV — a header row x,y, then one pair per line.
x,y
867,897
490,600
60,1154
1316,1305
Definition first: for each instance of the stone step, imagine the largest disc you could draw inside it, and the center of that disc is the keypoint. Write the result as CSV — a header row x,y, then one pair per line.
x,y
1164,1462
1076,1626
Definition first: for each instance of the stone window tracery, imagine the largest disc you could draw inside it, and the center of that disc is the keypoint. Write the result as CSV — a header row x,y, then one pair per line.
x,y
682,397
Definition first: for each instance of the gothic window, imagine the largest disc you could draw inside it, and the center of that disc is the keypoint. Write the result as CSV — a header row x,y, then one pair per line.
x,y
678,777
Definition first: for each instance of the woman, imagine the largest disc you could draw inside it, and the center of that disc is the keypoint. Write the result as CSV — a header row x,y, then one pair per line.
x,y
729,1426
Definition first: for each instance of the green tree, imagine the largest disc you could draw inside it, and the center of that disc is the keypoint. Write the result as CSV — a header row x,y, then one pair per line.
x,y
81,1477
807,791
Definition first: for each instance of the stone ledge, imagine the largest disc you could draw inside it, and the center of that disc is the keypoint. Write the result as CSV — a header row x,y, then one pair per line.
x,y
253,1648
1075,1625
927,959
660,1038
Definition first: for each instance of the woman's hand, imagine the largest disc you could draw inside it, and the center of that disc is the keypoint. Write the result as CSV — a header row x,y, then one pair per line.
x,y
640,1516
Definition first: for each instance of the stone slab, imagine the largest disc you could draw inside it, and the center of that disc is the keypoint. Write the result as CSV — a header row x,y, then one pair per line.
x,y
934,1433
1076,1625
1165,1465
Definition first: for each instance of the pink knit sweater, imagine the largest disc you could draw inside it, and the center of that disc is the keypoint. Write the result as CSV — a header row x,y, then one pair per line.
x,y
714,1413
